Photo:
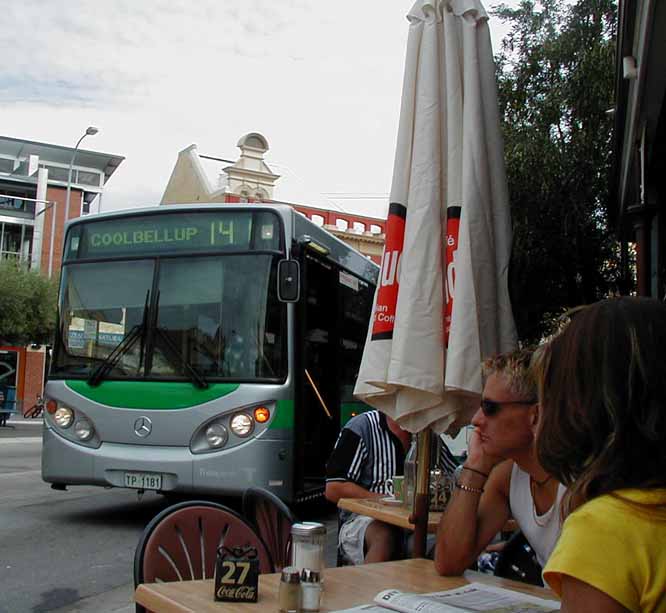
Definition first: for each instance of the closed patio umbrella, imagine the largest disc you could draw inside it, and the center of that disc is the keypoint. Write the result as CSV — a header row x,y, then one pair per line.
x,y
442,303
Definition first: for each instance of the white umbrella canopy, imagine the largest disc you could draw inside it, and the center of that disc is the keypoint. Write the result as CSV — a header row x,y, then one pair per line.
x,y
442,304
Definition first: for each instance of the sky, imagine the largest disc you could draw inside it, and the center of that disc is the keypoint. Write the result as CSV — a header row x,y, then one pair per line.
x,y
320,80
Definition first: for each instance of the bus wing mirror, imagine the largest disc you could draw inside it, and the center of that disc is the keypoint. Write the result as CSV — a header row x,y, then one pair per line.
x,y
289,280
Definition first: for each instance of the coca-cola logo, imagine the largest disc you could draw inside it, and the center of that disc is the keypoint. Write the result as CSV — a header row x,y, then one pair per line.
x,y
383,318
237,593
450,255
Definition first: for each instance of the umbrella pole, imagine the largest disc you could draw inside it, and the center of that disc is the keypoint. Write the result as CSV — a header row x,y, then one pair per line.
x,y
422,494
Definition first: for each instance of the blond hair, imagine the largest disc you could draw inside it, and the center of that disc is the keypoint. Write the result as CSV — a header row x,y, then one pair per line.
x,y
515,368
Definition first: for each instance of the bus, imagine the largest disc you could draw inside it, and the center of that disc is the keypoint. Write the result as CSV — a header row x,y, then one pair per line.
x,y
203,349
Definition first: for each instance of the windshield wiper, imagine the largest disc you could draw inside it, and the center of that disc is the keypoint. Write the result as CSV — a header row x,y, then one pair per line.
x,y
136,332
195,376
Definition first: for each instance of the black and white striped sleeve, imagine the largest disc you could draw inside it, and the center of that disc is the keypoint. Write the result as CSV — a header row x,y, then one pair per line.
x,y
348,458
446,460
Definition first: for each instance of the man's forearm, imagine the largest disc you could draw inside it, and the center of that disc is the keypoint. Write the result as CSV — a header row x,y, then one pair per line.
x,y
457,533
347,489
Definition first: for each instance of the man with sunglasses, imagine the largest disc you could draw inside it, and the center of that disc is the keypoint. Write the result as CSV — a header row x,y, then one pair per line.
x,y
502,477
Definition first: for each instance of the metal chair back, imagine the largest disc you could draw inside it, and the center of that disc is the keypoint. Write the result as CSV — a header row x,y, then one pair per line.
x,y
272,519
181,542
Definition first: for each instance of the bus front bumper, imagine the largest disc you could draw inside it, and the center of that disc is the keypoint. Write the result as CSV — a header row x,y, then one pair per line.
x,y
261,462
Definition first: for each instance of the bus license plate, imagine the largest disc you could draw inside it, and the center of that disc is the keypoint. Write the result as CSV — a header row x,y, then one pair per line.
x,y
143,481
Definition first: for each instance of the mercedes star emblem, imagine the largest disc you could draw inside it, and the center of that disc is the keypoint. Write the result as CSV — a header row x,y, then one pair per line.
x,y
143,427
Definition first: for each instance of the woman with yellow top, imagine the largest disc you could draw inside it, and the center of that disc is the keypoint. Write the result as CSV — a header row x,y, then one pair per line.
x,y
602,433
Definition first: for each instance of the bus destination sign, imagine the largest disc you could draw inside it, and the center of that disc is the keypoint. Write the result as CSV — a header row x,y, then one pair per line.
x,y
174,233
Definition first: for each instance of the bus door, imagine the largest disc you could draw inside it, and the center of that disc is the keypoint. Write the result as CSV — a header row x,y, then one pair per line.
x,y
318,412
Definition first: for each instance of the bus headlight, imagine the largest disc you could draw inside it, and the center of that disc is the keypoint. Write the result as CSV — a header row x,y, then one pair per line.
x,y
216,435
83,429
261,415
63,417
242,424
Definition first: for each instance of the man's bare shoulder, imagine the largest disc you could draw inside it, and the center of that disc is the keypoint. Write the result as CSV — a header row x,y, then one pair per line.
x,y
500,478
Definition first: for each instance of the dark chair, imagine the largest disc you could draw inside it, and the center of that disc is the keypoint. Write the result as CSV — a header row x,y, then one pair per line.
x,y
518,561
181,542
272,519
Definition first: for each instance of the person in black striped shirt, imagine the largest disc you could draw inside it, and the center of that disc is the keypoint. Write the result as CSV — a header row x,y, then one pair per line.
x,y
370,450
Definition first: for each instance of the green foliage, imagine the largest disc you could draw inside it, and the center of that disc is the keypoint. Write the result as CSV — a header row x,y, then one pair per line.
x,y
27,305
555,80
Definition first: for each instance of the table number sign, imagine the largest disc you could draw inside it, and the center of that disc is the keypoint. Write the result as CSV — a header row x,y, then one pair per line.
x,y
236,574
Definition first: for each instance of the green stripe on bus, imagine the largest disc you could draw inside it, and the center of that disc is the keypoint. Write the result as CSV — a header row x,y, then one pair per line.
x,y
150,394
284,417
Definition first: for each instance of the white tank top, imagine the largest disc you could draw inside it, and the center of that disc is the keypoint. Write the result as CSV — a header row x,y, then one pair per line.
x,y
542,536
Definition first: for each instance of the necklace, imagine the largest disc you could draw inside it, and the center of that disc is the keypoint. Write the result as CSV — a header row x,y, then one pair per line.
x,y
541,483
533,482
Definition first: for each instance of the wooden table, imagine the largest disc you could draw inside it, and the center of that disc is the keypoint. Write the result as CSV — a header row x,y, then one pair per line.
x,y
399,515
391,514
345,587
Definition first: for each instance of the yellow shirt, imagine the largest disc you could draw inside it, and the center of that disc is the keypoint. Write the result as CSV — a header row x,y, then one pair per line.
x,y
616,547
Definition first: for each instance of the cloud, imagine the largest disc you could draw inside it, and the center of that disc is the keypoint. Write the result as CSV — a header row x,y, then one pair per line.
x,y
321,81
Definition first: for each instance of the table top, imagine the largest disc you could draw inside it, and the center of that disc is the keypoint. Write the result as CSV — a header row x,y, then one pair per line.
x,y
399,515
391,514
344,587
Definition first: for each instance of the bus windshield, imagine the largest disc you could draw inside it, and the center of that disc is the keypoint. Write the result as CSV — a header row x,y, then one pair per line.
x,y
217,315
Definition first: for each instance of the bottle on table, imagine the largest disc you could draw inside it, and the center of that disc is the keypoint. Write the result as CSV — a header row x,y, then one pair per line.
x,y
308,539
409,484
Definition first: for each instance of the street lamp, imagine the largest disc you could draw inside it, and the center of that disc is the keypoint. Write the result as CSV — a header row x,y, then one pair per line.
x,y
90,131
48,205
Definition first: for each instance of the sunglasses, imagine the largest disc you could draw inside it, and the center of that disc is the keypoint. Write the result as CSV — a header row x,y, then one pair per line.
x,y
492,407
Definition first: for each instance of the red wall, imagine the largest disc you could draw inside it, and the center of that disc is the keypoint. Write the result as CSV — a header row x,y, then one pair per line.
x,y
59,194
34,377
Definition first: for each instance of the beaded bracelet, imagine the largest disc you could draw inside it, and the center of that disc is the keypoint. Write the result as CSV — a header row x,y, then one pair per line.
x,y
478,472
467,488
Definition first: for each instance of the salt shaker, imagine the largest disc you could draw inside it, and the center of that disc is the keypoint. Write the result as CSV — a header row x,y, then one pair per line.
x,y
307,545
310,590
289,594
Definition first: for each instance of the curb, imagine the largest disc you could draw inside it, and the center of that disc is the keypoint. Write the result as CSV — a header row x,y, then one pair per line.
x,y
37,421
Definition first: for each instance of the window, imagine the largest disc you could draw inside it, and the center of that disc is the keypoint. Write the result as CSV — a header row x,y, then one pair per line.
x,y
15,241
85,177
207,315
56,173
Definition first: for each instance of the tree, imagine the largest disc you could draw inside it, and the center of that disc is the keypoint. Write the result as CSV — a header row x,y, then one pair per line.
x,y
555,82
27,305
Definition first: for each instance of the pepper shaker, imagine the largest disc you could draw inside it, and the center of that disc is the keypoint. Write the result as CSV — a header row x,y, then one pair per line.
x,y
289,594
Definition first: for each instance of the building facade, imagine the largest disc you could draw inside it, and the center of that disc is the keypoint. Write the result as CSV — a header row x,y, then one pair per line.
x,y
203,178
638,209
33,194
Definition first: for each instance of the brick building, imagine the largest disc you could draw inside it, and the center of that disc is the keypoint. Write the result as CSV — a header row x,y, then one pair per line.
x,y
202,178
33,193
